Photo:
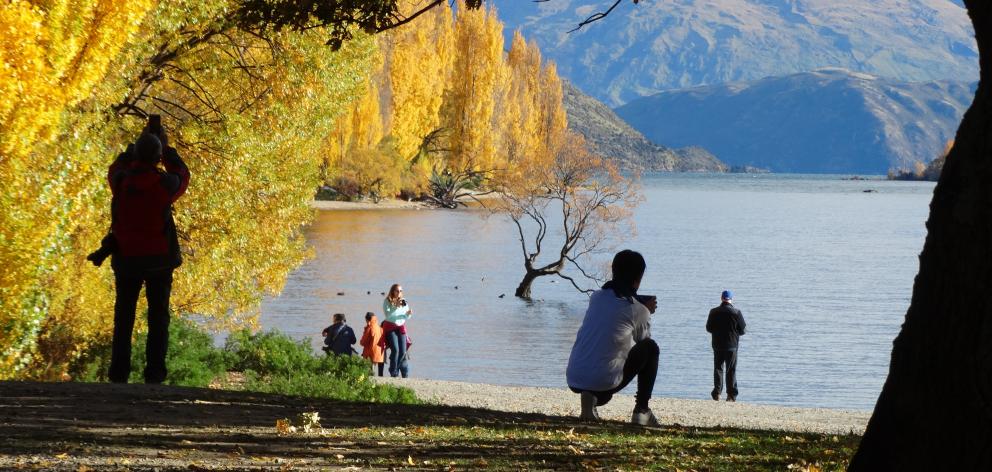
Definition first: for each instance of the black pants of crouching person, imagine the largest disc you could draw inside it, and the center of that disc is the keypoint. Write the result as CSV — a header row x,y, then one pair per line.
x,y
158,287
642,362
728,358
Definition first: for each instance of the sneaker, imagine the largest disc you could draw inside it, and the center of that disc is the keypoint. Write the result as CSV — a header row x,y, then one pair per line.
x,y
715,396
589,412
644,418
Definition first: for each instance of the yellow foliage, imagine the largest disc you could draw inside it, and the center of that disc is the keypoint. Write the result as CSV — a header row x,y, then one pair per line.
x,y
260,121
251,136
52,54
478,78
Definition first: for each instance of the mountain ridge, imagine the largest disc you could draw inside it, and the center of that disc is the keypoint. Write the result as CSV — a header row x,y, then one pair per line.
x,y
826,121
641,49
609,136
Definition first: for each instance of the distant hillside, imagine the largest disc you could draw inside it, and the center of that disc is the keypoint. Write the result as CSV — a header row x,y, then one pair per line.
x,y
827,121
610,136
659,45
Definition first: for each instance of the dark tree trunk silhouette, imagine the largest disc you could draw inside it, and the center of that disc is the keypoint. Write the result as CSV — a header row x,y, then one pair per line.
x,y
935,410
523,290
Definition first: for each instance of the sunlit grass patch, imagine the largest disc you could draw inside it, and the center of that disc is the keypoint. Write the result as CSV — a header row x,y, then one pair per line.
x,y
612,446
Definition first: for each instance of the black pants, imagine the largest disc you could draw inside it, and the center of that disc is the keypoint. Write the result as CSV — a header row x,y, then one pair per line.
x,y
158,286
730,359
642,362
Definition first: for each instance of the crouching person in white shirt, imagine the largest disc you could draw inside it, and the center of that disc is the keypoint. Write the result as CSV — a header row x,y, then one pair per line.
x,y
614,343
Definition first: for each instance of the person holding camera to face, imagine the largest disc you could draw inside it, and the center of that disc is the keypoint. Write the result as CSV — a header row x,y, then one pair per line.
x,y
396,312
143,244
614,343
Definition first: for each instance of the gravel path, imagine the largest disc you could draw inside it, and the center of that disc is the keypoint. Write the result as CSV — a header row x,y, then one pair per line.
x,y
704,413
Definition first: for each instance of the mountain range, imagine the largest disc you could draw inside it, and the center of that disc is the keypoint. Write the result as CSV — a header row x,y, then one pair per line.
x,y
825,121
611,137
658,45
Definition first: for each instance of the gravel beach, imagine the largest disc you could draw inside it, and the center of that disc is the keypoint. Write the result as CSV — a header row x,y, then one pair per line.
x,y
703,413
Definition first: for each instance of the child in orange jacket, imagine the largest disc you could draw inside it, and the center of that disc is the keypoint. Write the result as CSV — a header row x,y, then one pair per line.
x,y
371,340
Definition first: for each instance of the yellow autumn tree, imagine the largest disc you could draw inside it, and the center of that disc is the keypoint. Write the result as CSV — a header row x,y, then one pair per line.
x,y
478,72
248,112
51,55
419,58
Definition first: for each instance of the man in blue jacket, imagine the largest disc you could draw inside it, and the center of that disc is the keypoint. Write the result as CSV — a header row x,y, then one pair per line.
x,y
339,337
726,325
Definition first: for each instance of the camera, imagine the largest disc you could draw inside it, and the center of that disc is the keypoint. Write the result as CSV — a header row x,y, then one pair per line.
x,y
107,247
403,302
155,124
645,298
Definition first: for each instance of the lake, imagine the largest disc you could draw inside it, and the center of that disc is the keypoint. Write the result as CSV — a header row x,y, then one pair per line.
x,y
822,270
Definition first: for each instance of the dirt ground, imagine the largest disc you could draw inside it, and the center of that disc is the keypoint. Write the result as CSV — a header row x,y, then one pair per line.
x,y
83,427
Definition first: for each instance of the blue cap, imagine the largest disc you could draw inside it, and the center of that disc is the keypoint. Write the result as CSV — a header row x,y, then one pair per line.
x,y
727,295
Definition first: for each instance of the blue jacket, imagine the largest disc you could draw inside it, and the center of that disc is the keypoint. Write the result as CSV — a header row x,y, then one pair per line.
x,y
339,338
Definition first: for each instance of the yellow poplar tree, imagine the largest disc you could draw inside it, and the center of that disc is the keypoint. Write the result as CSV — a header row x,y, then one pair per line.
x,y
419,57
477,72
51,55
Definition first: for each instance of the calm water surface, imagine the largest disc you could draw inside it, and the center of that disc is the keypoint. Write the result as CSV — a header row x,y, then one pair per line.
x,y
822,271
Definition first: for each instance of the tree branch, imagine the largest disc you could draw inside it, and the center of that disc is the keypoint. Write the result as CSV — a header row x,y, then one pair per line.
x,y
596,16
587,291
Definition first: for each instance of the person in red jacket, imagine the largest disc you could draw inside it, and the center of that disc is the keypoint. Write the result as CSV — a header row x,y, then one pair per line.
x,y
145,246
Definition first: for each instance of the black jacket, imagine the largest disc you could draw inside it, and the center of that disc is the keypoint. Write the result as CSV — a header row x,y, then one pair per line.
x,y
726,324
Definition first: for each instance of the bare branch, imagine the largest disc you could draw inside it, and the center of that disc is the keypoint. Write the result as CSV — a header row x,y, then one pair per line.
x,y
596,16
587,291
412,17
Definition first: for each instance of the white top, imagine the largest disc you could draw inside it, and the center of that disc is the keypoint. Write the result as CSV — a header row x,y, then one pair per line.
x,y
610,328
395,314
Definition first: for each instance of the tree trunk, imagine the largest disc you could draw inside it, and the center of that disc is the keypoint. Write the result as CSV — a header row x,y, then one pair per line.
x,y
523,290
935,409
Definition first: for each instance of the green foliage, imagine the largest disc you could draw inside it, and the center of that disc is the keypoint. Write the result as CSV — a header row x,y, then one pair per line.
x,y
335,376
272,362
192,359
267,353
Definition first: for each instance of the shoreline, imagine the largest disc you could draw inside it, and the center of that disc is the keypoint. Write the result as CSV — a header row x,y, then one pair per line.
x,y
669,411
385,204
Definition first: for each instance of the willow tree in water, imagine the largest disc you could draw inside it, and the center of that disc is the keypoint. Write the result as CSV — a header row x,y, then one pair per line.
x,y
580,193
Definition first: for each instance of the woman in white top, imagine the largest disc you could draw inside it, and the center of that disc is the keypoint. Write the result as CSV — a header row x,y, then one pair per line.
x,y
614,343
396,312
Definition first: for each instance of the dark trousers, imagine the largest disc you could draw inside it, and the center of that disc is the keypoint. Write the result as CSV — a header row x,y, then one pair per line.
x,y
728,358
397,354
642,362
380,367
158,286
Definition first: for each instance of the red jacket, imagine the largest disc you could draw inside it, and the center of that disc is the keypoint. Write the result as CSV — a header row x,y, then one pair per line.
x,y
142,204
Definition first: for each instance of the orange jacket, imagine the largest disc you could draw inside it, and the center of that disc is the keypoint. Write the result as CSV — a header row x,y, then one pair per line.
x,y
370,341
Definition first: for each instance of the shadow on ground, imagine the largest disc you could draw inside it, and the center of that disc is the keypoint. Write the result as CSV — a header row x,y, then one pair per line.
x,y
139,426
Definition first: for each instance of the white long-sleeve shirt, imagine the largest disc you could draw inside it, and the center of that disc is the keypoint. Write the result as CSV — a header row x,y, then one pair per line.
x,y
610,328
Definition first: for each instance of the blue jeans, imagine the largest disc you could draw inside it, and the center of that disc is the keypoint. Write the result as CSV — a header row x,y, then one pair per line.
x,y
396,342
